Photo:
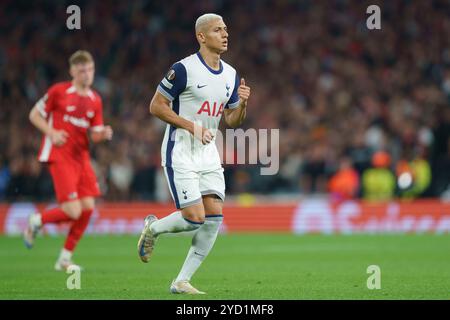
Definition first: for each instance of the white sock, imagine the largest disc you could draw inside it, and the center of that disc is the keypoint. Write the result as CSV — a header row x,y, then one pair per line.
x,y
173,223
37,219
65,254
202,243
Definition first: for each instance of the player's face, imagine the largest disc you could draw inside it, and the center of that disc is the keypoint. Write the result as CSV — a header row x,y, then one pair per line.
x,y
83,73
216,36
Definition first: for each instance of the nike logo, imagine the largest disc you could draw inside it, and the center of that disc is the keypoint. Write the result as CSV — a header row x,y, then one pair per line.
x,y
199,86
201,255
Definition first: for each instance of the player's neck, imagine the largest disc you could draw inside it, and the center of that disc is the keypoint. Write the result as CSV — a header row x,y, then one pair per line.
x,y
81,90
212,59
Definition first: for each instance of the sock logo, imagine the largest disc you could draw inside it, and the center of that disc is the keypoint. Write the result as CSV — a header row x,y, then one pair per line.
x,y
184,192
199,254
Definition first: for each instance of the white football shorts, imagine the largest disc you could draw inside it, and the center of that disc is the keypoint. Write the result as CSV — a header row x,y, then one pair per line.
x,y
187,186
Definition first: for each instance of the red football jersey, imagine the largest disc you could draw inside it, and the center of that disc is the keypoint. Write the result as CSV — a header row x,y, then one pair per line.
x,y
66,110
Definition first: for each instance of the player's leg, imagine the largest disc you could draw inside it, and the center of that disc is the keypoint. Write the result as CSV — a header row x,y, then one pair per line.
x,y
184,187
185,219
213,189
87,189
204,238
76,231
79,226
182,283
65,179
202,243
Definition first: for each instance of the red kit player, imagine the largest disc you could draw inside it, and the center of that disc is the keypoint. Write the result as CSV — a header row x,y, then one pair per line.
x,y
65,115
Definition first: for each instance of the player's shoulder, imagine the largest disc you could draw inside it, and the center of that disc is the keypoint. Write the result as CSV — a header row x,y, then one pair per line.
x,y
188,61
178,71
192,62
181,66
94,95
60,87
228,67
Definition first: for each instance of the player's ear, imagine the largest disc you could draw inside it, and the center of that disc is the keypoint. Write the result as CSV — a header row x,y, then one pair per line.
x,y
72,71
201,37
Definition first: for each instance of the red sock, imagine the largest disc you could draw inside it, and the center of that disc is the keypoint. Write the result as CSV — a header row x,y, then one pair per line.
x,y
55,215
77,230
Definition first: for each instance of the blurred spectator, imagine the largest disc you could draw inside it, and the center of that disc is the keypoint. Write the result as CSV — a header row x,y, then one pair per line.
x,y
4,177
444,173
344,184
121,173
329,84
314,170
414,177
379,182
143,183
440,159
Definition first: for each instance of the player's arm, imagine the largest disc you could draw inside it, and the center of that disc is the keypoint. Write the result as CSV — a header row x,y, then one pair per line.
x,y
102,134
58,137
160,108
234,117
99,132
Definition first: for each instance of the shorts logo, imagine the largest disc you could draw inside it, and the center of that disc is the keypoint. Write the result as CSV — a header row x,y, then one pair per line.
x,y
170,75
185,196
70,108
90,114
228,89
72,195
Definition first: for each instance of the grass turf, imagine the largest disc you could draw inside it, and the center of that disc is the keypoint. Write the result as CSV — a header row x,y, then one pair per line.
x,y
241,266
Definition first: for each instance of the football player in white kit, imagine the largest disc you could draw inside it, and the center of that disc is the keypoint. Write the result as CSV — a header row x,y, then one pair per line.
x,y
191,98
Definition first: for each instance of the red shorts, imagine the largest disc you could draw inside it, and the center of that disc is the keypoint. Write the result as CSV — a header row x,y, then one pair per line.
x,y
73,180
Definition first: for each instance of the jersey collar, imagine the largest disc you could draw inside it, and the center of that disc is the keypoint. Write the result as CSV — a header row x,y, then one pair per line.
x,y
208,67
72,89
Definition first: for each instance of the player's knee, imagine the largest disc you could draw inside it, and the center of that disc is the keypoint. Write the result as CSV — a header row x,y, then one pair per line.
x,y
194,216
72,209
75,213
87,210
214,209
87,203
213,205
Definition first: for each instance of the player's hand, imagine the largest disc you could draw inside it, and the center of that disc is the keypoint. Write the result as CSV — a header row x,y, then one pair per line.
x,y
107,133
243,92
207,136
58,137
202,134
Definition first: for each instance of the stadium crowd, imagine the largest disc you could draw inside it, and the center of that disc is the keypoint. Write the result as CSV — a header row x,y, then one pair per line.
x,y
356,108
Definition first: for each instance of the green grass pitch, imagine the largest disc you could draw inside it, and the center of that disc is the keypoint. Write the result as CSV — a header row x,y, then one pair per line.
x,y
241,266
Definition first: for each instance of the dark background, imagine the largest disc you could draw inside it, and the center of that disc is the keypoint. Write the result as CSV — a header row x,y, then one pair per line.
x,y
338,92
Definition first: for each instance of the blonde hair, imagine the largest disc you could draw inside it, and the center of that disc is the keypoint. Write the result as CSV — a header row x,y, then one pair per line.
x,y
80,56
204,19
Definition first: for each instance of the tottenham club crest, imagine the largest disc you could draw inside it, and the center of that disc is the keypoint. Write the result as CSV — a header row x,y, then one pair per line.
x,y
170,75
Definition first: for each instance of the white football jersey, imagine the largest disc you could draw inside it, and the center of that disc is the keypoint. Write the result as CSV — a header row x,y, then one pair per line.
x,y
199,94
